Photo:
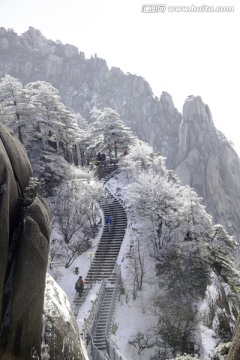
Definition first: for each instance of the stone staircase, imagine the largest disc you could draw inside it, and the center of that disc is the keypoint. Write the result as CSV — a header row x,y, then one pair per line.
x,y
99,339
104,260
103,267
103,263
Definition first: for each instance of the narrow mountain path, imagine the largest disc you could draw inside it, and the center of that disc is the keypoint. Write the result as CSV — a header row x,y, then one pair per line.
x,y
103,267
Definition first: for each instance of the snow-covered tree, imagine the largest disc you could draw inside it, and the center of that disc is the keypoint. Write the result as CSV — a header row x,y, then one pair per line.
x,y
177,324
139,255
174,211
184,244
109,132
86,145
35,187
59,128
49,132
76,218
16,105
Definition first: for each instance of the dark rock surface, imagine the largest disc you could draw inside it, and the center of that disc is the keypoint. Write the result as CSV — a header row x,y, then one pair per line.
x,y
234,353
24,241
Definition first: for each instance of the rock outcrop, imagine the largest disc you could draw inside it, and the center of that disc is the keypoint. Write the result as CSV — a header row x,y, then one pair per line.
x,y
208,163
61,337
234,353
24,236
219,309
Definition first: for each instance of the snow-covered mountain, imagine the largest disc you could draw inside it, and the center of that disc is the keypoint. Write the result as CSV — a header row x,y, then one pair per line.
x,y
84,83
173,257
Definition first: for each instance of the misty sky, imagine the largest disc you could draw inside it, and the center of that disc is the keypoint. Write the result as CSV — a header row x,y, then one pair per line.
x,y
182,53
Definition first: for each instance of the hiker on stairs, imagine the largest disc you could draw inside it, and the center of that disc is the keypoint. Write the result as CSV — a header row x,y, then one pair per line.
x,y
108,222
79,286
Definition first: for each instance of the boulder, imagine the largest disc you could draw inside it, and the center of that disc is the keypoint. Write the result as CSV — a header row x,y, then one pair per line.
x,y
15,171
61,338
25,236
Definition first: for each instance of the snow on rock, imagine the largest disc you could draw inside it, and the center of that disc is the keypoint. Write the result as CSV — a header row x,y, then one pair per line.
x,y
216,314
209,342
61,335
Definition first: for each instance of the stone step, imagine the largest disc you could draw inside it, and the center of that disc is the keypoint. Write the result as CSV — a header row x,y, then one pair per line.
x,y
99,336
101,264
100,344
110,255
102,319
115,247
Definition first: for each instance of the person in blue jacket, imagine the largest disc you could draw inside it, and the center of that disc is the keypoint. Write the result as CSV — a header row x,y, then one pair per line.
x,y
108,221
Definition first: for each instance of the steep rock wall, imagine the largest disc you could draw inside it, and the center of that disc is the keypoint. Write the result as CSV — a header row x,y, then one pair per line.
x,y
23,256
208,163
84,83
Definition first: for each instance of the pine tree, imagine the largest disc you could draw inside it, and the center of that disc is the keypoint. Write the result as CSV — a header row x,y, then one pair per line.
x,y
16,105
110,132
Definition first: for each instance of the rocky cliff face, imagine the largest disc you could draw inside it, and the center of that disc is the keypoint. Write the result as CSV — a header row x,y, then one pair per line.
x,y
202,157
84,83
208,163
23,255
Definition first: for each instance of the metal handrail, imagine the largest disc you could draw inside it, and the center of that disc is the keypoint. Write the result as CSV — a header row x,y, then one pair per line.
x,y
113,353
97,354
111,350
114,297
89,319
92,319
98,307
